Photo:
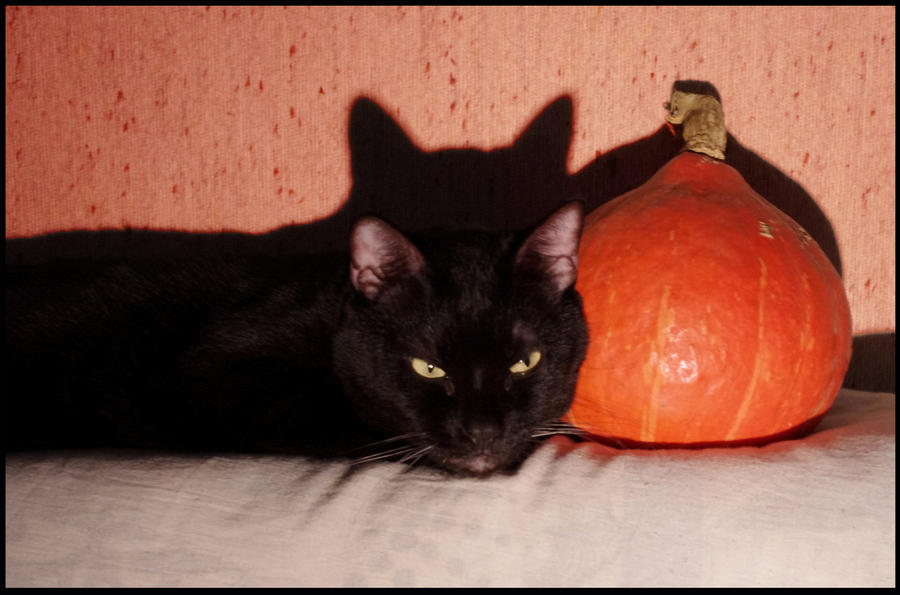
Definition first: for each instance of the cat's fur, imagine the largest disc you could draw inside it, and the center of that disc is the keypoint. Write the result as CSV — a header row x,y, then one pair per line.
x,y
308,353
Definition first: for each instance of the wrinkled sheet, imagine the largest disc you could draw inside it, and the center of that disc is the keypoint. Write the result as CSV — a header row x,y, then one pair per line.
x,y
814,511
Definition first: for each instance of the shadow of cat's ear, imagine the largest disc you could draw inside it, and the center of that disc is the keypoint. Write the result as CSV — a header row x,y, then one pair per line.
x,y
550,133
373,134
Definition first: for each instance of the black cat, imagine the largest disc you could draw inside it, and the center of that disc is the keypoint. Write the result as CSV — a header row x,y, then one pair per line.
x,y
456,347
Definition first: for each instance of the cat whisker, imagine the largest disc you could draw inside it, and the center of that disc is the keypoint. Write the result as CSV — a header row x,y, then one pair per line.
x,y
556,424
405,453
416,456
400,450
393,439
567,429
614,442
556,428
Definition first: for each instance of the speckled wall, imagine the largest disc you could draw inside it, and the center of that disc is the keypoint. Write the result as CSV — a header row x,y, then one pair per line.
x,y
208,118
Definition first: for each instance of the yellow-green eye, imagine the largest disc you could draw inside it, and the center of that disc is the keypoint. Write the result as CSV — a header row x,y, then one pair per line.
x,y
426,370
524,365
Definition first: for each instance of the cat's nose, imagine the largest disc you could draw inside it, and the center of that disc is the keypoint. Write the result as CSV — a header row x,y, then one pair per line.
x,y
482,433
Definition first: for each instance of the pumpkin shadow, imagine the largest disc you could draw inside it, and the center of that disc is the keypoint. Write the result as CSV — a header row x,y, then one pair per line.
x,y
873,363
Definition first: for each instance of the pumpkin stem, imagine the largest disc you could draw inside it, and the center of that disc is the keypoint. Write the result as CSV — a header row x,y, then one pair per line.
x,y
703,122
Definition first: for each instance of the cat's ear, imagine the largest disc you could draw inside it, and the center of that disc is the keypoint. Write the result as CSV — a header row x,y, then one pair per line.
x,y
549,134
375,136
551,251
380,256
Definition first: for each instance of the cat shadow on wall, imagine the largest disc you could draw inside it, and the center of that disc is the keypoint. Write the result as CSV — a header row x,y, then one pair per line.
x,y
510,188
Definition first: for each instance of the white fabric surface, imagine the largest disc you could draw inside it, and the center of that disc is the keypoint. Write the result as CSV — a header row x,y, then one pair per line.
x,y
816,511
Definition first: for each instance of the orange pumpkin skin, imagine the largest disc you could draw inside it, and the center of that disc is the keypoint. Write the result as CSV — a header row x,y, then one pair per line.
x,y
714,318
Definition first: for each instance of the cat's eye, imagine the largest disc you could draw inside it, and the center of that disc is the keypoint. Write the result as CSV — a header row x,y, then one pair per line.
x,y
426,369
526,364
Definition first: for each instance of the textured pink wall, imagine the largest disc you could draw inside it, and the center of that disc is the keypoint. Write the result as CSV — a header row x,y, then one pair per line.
x,y
236,118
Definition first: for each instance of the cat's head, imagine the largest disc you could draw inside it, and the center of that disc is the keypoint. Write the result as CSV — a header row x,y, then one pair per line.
x,y
466,343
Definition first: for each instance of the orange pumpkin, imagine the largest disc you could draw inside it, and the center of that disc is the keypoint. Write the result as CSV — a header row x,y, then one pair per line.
x,y
714,318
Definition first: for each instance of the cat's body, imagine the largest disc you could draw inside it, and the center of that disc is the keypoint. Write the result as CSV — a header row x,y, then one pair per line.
x,y
121,354
456,347
305,354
